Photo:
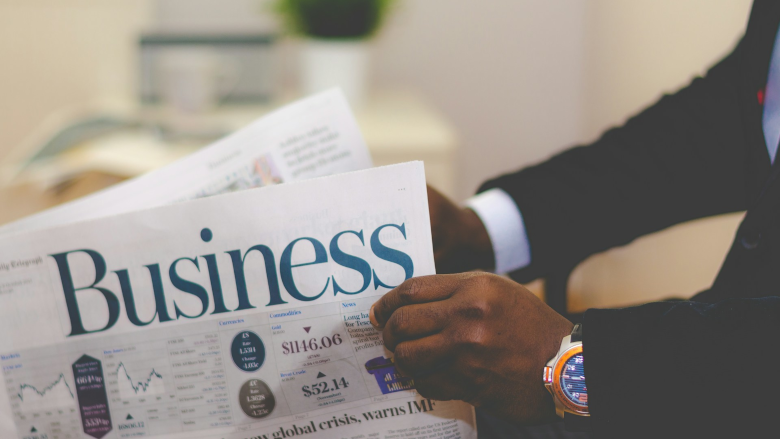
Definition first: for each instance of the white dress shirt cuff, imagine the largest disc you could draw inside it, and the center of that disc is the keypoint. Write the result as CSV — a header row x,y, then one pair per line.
x,y
504,223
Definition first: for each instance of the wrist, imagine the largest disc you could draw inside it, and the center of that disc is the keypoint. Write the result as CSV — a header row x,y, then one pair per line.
x,y
476,240
564,377
503,226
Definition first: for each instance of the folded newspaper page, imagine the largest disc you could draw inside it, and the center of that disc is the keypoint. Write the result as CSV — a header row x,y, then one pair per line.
x,y
240,316
313,137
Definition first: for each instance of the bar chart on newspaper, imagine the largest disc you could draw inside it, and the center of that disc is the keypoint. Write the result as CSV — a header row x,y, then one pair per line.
x,y
239,316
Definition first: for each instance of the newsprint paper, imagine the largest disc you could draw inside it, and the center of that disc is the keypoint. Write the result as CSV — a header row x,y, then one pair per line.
x,y
313,137
239,316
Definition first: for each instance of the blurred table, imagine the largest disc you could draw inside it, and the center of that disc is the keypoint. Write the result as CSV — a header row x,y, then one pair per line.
x,y
398,126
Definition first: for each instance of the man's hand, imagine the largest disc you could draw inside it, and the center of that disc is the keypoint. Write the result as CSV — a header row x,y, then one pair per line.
x,y
475,337
460,240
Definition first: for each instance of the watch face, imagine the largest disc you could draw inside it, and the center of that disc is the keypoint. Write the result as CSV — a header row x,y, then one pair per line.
x,y
573,380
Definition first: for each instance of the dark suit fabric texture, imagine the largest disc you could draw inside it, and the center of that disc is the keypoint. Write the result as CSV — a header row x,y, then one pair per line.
x,y
708,366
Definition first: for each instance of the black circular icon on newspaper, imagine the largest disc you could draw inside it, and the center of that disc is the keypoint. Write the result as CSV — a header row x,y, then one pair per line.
x,y
256,399
248,351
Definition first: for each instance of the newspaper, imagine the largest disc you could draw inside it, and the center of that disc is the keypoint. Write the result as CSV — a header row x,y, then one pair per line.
x,y
241,316
313,137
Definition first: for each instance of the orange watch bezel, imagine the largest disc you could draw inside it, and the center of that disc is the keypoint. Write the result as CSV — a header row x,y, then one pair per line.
x,y
556,382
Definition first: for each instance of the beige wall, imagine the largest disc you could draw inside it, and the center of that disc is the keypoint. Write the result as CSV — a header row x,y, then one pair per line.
x,y
520,79
637,49
56,53
508,74
524,79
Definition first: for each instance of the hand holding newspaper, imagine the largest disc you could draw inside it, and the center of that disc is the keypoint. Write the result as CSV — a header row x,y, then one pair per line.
x,y
240,316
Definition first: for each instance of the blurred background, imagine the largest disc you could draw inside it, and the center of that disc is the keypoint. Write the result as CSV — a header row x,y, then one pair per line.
x,y
473,88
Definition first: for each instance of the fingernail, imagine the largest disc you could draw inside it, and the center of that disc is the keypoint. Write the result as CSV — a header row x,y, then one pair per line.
x,y
372,318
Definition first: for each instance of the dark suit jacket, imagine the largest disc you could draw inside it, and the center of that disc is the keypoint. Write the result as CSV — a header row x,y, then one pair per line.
x,y
705,367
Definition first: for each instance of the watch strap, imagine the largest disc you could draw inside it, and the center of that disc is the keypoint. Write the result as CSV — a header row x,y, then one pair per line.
x,y
576,333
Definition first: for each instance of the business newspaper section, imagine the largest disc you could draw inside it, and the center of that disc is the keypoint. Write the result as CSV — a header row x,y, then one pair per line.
x,y
162,314
220,317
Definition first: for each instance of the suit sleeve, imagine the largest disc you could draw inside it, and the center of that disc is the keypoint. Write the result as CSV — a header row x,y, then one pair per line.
x,y
684,369
680,159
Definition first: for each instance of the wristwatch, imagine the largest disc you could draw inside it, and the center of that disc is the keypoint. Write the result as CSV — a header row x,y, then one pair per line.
x,y
564,378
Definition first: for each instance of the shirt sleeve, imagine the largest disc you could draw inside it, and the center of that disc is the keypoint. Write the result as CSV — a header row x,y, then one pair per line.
x,y
686,157
504,224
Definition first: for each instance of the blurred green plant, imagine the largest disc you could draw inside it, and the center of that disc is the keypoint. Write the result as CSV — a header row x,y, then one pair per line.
x,y
333,19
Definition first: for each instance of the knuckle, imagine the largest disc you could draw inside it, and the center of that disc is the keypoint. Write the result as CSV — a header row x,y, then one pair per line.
x,y
402,353
404,357
484,281
409,290
399,322
388,339
477,309
479,302
475,337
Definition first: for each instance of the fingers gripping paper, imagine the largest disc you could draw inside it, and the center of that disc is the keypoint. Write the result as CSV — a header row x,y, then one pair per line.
x,y
238,316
